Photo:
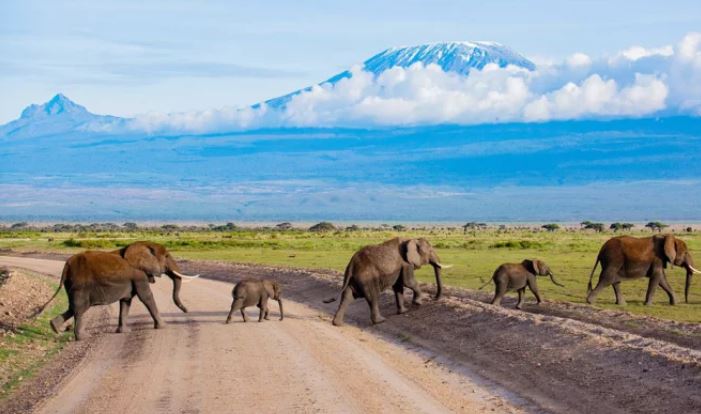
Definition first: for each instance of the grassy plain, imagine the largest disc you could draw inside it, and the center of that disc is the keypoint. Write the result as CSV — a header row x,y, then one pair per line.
x,y
475,254
26,349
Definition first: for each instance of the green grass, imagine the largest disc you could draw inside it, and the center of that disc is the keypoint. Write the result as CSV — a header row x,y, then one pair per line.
x,y
31,346
570,254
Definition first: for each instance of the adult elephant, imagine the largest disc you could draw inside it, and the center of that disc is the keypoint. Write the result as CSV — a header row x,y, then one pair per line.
x,y
100,278
373,269
625,258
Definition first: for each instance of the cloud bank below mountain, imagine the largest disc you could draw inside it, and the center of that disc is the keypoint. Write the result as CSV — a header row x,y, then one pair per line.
x,y
636,82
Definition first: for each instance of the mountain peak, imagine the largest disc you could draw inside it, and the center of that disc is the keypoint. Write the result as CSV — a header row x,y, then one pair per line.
x,y
59,104
460,56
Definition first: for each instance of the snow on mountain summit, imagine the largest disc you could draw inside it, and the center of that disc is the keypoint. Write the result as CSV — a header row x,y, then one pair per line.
x,y
459,57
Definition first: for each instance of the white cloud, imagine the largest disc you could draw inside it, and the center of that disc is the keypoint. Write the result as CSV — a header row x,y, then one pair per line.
x,y
635,82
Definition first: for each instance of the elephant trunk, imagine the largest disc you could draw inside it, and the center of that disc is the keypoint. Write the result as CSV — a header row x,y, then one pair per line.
x,y
439,282
177,284
552,278
279,302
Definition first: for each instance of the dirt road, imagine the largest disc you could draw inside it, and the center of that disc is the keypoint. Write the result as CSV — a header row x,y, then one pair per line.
x,y
302,364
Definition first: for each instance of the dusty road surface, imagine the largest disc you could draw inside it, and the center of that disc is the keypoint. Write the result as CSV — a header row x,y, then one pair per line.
x,y
197,364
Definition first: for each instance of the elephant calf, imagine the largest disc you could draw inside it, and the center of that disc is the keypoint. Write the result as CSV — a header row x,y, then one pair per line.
x,y
516,276
255,292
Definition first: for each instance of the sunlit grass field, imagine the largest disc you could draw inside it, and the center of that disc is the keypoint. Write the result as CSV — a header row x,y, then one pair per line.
x,y
474,254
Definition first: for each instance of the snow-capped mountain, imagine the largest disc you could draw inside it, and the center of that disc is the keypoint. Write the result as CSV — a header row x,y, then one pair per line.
x,y
60,115
57,116
458,57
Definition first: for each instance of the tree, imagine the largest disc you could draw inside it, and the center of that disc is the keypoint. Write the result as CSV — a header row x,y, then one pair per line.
x,y
616,226
20,225
353,227
169,227
398,227
473,225
656,225
322,227
551,227
627,226
130,226
585,224
597,227
283,226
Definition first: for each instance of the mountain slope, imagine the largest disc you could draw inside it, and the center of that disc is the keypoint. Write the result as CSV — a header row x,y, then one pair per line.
x,y
457,57
59,115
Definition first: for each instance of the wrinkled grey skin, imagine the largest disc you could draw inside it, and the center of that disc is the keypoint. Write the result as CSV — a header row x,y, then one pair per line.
x,y
255,292
625,258
100,278
373,269
518,276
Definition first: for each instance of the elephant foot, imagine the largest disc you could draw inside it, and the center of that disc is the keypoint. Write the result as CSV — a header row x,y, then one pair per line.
x,y
123,329
337,322
55,326
621,303
519,307
378,320
159,325
402,310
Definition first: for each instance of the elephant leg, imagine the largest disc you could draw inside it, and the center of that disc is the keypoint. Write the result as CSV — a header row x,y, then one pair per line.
x,y
499,293
605,279
346,299
668,289
399,296
78,329
143,291
235,305
375,315
521,293
243,315
57,322
619,296
263,305
533,286
651,286
124,306
409,280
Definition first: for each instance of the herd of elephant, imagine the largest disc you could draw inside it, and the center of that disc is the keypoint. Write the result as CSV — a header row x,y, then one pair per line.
x,y
99,278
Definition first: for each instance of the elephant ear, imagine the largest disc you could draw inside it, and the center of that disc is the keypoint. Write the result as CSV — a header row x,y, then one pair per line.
x,y
531,266
411,253
143,257
670,248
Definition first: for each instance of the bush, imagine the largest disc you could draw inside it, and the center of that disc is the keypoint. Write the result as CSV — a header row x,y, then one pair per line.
x,y
516,244
322,227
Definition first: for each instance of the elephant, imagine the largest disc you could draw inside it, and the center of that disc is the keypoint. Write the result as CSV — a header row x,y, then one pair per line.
x,y
251,292
516,276
624,258
374,268
100,278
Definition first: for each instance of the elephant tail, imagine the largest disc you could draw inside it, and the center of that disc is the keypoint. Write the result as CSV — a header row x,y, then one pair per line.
x,y
591,275
64,274
346,282
483,286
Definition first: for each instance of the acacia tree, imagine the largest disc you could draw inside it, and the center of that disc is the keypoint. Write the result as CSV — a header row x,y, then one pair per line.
x,y
656,225
551,227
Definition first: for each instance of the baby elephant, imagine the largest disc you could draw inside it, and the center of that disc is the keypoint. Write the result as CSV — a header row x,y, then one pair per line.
x,y
251,292
516,276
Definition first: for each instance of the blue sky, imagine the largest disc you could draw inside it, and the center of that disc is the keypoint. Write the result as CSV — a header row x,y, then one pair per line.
x,y
126,58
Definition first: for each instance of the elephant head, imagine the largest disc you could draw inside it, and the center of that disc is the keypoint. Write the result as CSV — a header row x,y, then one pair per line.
x,y
677,253
419,252
154,260
540,268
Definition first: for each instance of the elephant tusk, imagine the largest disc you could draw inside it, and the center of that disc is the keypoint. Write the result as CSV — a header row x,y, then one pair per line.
x,y
184,276
442,266
694,270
